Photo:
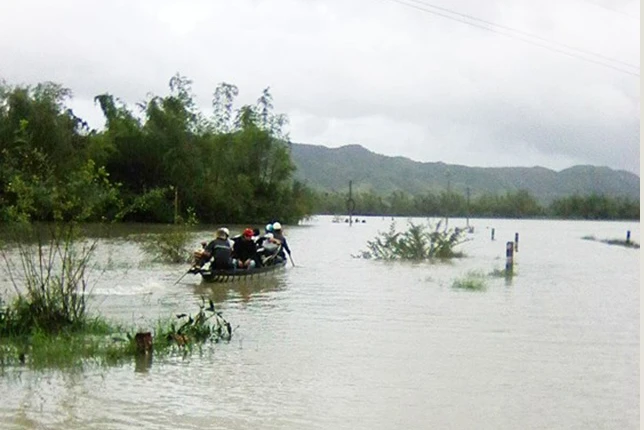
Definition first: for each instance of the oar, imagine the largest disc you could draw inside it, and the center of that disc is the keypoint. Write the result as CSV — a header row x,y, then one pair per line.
x,y
291,258
182,277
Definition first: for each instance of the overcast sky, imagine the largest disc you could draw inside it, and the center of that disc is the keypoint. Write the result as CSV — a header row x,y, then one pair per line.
x,y
391,77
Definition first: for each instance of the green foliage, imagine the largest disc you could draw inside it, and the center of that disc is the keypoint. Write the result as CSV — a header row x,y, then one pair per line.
x,y
233,166
518,204
103,343
502,273
474,281
46,173
207,324
50,280
417,243
171,247
595,206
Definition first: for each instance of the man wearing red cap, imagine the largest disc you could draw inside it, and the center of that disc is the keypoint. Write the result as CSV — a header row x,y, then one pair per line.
x,y
245,251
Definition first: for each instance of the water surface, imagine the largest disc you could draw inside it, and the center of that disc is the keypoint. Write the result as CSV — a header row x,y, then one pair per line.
x,y
343,343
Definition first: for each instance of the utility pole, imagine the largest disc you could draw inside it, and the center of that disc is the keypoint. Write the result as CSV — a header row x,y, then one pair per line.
x,y
448,198
468,207
176,204
351,205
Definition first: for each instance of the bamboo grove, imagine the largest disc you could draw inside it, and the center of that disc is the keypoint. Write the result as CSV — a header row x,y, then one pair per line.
x,y
164,162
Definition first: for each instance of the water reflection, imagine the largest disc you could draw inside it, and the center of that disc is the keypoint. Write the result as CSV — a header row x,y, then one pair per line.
x,y
244,289
143,363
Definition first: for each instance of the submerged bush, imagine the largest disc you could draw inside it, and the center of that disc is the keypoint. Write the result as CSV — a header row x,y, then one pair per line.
x,y
625,243
171,247
419,242
472,281
49,273
207,324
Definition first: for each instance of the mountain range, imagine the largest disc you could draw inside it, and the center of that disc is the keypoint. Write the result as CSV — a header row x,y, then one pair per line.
x,y
330,170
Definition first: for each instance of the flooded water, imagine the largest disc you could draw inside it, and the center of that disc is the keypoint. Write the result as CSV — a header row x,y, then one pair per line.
x,y
343,343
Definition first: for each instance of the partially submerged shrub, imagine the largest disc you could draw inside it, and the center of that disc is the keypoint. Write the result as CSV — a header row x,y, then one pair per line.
x,y
172,246
625,243
502,273
419,242
169,247
472,281
50,279
207,324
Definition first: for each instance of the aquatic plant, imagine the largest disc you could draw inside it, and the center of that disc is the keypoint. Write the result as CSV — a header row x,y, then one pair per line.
x,y
620,242
172,246
50,279
625,243
502,273
207,324
472,281
418,242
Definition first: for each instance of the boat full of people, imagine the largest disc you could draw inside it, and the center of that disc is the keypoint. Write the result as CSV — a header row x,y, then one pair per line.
x,y
249,254
234,274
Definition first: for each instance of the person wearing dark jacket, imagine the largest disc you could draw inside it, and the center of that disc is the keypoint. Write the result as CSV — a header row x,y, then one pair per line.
x,y
221,253
245,251
218,251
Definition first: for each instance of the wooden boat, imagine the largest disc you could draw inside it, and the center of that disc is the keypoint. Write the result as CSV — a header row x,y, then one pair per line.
x,y
231,275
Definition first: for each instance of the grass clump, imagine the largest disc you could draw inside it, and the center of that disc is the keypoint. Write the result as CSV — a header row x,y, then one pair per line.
x,y
417,243
474,281
624,243
502,273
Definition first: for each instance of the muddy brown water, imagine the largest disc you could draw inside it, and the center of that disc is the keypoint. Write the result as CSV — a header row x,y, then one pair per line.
x,y
343,343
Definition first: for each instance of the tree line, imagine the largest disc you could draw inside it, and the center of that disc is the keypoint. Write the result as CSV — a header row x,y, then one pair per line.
x,y
166,162
512,204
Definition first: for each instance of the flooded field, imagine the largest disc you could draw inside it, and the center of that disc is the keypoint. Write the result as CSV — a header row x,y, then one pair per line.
x,y
338,342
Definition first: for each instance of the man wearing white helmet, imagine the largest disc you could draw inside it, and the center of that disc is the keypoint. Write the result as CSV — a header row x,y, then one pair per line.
x,y
218,250
279,235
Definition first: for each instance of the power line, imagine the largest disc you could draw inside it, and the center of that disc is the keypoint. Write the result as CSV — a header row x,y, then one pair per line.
x,y
525,33
532,42
596,4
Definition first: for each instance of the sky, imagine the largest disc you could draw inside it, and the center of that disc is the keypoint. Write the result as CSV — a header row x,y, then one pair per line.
x,y
551,83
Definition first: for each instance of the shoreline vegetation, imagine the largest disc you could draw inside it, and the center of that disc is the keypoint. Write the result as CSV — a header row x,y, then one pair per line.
x,y
166,161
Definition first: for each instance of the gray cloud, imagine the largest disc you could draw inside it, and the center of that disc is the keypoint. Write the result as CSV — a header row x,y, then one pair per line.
x,y
392,78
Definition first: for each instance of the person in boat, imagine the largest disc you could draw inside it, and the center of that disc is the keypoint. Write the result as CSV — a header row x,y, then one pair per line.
x,y
245,251
218,252
279,235
268,249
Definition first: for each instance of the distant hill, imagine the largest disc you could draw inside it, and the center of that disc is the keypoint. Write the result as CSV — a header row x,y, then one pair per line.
x,y
331,169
